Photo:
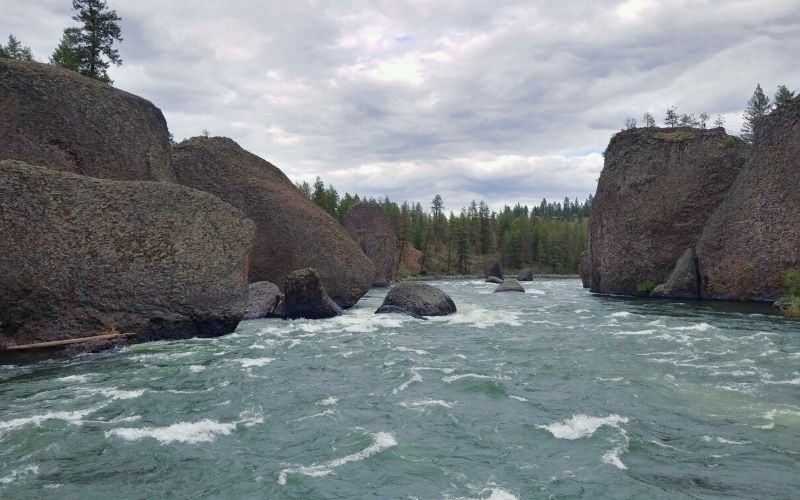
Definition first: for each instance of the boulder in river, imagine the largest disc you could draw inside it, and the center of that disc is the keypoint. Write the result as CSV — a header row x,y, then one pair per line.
x,y
305,297
753,237
509,285
263,299
525,274
81,256
683,282
417,299
656,191
373,230
56,118
291,231
491,267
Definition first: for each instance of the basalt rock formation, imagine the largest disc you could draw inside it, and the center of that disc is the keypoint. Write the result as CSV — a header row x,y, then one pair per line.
x,y
584,269
525,274
417,299
263,298
656,192
373,230
753,238
491,267
54,117
684,281
291,231
410,260
305,297
81,256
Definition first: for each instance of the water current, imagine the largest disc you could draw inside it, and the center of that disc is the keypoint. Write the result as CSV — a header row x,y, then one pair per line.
x,y
554,393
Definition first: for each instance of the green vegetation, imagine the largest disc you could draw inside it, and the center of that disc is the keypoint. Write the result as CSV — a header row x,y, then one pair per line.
x,y
645,288
758,107
92,42
730,142
14,50
548,238
792,308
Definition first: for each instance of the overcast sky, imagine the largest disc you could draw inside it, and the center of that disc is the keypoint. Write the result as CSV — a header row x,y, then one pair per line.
x,y
502,101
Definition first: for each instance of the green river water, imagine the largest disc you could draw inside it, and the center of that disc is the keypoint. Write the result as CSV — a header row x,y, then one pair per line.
x,y
554,393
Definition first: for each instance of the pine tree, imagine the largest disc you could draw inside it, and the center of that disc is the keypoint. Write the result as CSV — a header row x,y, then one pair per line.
x,y
66,54
95,38
15,50
757,107
672,117
783,95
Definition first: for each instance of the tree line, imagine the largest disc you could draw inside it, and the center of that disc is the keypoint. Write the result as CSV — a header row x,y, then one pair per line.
x,y
548,237
87,48
758,106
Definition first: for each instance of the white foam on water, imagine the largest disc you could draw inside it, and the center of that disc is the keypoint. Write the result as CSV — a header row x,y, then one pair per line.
x,y
612,456
698,327
415,377
19,473
329,411
617,379
70,417
620,314
518,398
453,378
581,426
722,440
635,332
786,417
117,394
499,494
535,291
427,403
250,362
421,352
380,441
196,368
329,401
202,431
479,317
75,379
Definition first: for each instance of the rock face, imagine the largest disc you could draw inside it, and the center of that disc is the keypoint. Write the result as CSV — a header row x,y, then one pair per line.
x,y
410,261
584,269
374,232
525,274
656,192
491,267
509,285
417,299
753,238
291,231
683,283
305,297
80,256
57,118
263,298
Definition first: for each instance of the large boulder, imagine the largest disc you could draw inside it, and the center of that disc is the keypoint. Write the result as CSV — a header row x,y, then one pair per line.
x,y
509,285
583,269
57,118
525,274
491,267
656,191
81,256
305,297
373,230
683,282
291,231
263,299
417,299
753,237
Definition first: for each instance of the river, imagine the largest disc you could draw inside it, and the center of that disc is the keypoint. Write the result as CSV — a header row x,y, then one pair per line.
x,y
552,393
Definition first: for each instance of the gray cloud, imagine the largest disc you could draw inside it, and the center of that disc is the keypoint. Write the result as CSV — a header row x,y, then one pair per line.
x,y
503,101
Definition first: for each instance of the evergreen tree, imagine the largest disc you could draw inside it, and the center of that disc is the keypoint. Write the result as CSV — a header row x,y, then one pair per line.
x,y
757,107
95,38
719,121
66,54
783,95
671,119
15,50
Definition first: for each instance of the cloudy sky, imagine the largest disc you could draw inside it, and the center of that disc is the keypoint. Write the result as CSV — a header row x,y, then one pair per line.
x,y
502,101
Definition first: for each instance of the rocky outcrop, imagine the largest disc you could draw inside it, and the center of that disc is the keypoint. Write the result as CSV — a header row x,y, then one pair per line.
x,y
57,118
374,232
753,238
305,297
410,260
263,299
291,231
491,267
683,282
583,269
656,192
509,285
417,299
81,256
525,274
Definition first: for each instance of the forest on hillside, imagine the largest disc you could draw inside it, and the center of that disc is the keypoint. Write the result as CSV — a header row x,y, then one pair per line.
x,y
548,238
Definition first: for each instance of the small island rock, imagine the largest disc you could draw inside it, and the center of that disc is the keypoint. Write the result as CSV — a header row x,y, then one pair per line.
x,y
509,285
305,297
417,299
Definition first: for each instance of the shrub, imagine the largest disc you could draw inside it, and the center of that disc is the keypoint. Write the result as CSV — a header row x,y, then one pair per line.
x,y
645,288
793,282
730,142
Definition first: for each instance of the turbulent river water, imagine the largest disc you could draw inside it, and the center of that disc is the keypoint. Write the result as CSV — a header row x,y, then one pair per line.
x,y
551,393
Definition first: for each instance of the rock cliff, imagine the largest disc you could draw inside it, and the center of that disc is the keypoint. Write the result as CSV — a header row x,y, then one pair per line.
x,y
80,256
753,237
373,230
656,192
291,231
57,118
